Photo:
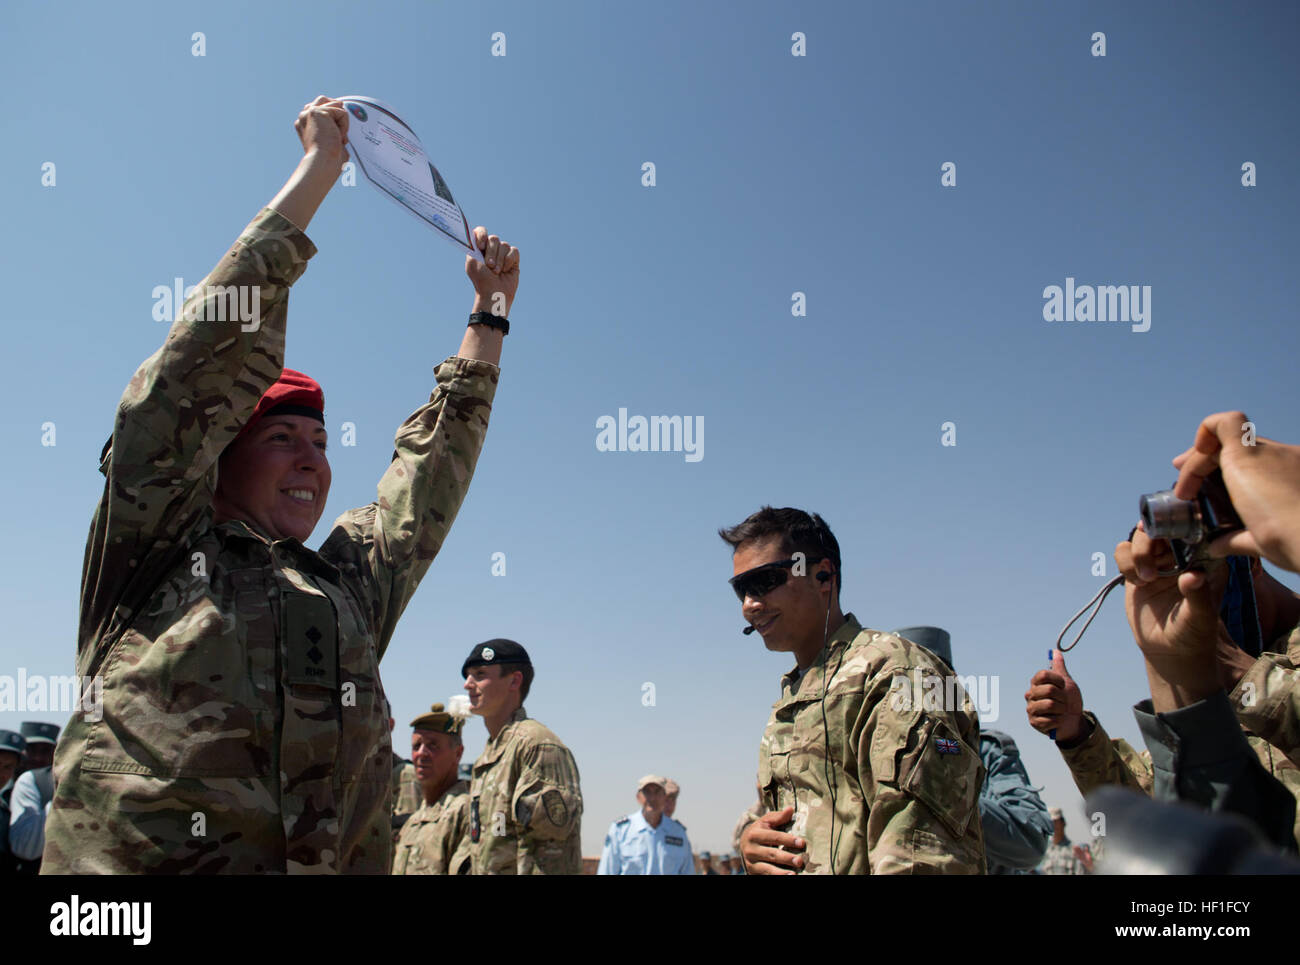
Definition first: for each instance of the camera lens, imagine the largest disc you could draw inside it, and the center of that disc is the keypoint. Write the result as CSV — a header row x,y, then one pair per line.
x,y
1164,516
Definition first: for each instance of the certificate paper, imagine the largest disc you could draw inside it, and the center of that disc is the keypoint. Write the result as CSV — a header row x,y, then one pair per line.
x,y
393,159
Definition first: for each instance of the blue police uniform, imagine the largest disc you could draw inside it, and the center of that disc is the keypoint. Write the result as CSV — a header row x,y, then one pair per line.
x,y
1016,825
632,847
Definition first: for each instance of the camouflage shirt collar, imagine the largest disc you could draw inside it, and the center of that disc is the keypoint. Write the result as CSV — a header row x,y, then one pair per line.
x,y
843,636
495,744
428,813
309,558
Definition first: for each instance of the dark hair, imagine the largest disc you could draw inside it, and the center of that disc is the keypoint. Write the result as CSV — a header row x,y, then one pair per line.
x,y
526,669
799,532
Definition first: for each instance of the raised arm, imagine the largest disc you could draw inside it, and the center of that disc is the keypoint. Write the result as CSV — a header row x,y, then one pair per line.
x,y
386,548
190,399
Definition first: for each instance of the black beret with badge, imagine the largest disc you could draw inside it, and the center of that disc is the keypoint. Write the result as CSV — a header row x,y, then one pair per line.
x,y
495,652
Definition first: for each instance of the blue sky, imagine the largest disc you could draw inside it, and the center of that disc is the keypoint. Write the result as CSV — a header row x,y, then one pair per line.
x,y
775,174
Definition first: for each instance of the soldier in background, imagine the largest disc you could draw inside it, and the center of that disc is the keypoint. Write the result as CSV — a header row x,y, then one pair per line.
x,y
647,841
407,796
525,799
1014,817
909,805
433,834
1062,856
11,753
706,863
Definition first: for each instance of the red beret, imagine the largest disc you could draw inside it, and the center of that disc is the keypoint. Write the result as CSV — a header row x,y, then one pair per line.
x,y
291,394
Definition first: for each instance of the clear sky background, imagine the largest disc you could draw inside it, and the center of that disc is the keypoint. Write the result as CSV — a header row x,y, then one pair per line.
x,y
775,174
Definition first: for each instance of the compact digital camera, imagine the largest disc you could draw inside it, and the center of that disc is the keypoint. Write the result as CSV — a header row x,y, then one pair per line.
x,y
1190,525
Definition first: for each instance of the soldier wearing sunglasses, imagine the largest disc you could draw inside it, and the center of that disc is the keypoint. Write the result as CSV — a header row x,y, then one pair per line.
x,y
853,777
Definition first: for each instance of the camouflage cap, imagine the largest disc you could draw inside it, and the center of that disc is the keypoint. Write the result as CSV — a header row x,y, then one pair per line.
x,y
494,652
937,641
12,742
652,779
34,732
437,719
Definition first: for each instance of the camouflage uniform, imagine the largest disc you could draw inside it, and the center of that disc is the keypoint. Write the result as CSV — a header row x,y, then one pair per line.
x,y
241,674
525,804
1097,760
1059,859
1266,699
432,835
407,797
906,778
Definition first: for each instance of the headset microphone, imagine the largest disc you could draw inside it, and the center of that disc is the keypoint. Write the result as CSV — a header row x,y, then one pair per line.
x,y
748,630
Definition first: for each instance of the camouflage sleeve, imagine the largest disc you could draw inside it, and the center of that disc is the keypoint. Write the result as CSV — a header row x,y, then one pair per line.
x,y
921,782
1097,760
547,799
462,859
454,845
181,409
1267,701
384,549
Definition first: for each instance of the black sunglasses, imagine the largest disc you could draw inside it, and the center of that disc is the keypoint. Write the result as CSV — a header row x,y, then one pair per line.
x,y
762,580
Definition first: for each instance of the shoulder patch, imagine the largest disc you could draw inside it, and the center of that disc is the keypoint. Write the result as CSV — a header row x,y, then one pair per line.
x,y
556,810
624,821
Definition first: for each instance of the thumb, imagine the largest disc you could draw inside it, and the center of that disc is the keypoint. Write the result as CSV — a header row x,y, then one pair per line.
x,y
1058,664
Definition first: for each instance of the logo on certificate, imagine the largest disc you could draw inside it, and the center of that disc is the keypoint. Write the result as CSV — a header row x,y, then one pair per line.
x,y
358,112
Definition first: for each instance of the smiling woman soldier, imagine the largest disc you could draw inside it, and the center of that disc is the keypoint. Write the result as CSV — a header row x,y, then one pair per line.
x,y
244,726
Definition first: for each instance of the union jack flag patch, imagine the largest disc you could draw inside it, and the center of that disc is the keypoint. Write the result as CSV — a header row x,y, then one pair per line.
x,y
946,746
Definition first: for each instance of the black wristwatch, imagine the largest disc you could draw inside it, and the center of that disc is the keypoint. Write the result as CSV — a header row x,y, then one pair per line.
x,y
490,320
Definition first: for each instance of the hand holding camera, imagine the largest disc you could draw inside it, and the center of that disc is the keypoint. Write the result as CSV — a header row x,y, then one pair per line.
x,y
1261,476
